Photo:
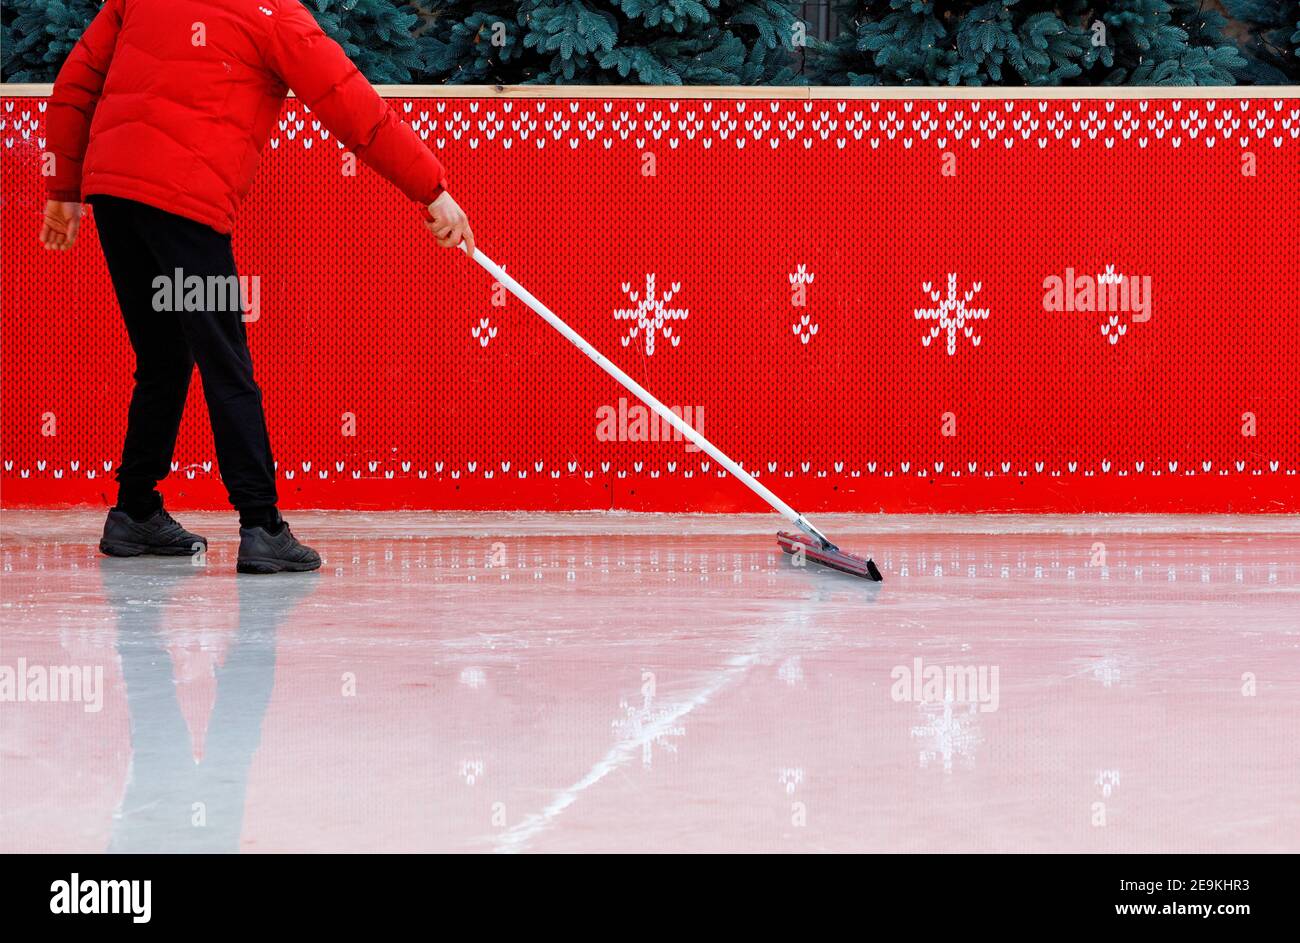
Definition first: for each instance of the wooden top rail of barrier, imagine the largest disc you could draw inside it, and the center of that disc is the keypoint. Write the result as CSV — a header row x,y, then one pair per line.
x,y
796,92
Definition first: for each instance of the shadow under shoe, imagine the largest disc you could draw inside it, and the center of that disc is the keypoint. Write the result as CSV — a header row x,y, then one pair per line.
x,y
261,551
160,535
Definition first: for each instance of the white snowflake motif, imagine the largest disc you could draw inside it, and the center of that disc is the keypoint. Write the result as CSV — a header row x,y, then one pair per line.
x,y
651,314
1112,324
805,328
483,332
952,315
1111,328
1110,276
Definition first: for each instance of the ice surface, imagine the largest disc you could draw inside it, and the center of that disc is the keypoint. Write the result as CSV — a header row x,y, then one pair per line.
x,y
646,682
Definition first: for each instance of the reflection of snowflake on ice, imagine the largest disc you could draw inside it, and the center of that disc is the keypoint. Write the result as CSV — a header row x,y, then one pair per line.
x,y
791,671
651,314
471,771
1107,781
945,734
791,777
649,725
951,315
1109,670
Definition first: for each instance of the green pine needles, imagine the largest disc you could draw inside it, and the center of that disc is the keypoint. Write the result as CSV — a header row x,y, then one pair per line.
x,y
764,42
640,42
1022,42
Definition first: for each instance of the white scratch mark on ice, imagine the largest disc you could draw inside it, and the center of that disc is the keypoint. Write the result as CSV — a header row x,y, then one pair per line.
x,y
515,839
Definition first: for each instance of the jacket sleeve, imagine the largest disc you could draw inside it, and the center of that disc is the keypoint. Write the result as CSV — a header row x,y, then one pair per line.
x,y
72,104
322,75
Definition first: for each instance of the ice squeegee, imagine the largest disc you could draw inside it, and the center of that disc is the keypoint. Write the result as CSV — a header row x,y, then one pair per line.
x,y
809,544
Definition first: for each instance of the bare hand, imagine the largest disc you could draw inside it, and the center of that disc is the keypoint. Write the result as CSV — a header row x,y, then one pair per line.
x,y
62,221
449,224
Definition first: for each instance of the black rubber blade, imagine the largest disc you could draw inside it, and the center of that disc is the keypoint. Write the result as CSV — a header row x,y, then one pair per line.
x,y
835,559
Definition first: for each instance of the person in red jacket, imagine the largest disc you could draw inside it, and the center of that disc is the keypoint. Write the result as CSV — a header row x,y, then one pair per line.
x,y
157,119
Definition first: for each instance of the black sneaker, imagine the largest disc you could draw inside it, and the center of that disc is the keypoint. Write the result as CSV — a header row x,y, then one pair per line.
x,y
261,551
159,536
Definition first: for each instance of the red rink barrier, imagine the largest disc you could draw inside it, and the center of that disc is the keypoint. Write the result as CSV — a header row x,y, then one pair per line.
x,y
899,305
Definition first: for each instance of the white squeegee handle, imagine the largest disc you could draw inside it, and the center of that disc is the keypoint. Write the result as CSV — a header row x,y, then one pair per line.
x,y
636,389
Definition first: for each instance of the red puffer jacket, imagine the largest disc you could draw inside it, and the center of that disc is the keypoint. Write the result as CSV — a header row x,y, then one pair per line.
x,y
170,102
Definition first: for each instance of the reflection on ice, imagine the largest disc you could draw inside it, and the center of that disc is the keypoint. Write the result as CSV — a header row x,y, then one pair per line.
x,y
524,683
181,796
950,729
647,724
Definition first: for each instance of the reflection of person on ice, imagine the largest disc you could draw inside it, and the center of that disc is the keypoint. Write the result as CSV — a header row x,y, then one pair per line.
x,y
157,120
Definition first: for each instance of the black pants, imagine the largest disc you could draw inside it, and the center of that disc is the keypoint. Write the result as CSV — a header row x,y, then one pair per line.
x,y
142,244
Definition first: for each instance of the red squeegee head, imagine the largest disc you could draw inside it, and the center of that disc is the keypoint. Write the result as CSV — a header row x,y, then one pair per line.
x,y
828,555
